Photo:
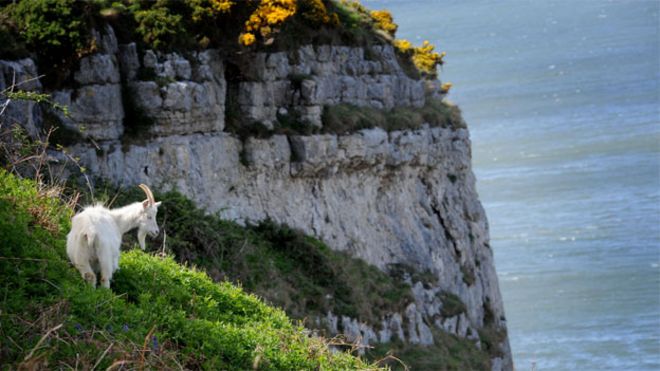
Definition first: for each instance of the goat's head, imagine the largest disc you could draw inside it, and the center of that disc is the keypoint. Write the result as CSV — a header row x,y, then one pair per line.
x,y
147,220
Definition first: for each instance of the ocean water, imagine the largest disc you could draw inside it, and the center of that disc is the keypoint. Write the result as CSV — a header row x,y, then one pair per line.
x,y
563,103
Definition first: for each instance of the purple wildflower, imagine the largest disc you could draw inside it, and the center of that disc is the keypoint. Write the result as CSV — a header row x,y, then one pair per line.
x,y
125,328
154,343
78,327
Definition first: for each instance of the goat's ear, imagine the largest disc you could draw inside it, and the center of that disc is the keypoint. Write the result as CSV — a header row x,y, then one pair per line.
x,y
158,203
145,204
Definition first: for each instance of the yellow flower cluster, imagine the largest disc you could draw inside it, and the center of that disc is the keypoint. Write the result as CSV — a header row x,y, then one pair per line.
x,y
445,87
316,11
268,15
383,20
403,46
424,57
208,8
246,39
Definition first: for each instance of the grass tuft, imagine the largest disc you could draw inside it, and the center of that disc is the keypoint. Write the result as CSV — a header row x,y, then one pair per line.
x,y
346,118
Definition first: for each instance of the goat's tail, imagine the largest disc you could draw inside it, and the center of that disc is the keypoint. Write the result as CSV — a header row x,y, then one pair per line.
x,y
88,239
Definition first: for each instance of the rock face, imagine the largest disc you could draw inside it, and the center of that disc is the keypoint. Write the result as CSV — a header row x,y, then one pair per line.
x,y
22,75
311,77
187,96
403,197
95,105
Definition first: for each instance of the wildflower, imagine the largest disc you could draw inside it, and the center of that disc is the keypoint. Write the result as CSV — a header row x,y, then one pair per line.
x,y
246,39
384,21
125,328
404,46
154,343
78,327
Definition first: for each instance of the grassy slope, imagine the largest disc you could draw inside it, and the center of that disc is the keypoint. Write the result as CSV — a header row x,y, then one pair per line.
x,y
303,276
289,269
159,314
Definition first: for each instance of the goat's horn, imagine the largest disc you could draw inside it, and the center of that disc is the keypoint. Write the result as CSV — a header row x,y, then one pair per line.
x,y
150,196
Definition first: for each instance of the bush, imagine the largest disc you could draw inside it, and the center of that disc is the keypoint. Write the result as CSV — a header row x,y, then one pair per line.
x,y
57,30
384,21
425,59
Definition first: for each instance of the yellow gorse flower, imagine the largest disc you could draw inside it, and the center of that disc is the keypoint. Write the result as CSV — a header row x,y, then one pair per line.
x,y
246,39
384,21
269,14
424,57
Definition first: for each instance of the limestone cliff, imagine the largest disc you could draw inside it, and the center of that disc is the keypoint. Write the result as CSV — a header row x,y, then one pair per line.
x,y
400,198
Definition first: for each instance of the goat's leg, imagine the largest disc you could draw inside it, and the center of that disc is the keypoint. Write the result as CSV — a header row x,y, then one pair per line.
x,y
87,273
106,274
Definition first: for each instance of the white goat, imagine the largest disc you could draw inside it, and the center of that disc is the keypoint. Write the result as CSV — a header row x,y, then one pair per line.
x,y
96,232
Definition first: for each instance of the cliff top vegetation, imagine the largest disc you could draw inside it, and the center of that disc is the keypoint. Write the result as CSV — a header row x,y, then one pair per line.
x,y
60,31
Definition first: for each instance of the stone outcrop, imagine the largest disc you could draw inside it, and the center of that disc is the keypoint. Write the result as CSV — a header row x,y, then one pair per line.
x,y
184,96
95,103
403,197
118,89
314,76
20,75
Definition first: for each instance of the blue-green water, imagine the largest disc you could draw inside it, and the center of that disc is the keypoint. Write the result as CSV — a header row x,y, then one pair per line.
x,y
563,103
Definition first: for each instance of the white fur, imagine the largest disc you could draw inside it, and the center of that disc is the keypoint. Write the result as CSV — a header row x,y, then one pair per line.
x,y
95,238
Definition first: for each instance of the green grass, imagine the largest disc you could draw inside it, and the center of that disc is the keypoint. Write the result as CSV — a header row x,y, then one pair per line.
x,y
158,314
287,268
448,353
347,118
451,305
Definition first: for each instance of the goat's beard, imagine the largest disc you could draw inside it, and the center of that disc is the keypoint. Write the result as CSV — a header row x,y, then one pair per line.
x,y
142,235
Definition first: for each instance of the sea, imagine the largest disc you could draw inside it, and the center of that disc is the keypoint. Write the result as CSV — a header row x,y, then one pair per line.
x,y
562,99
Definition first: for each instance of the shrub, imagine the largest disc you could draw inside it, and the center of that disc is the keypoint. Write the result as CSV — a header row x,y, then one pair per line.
x,y
52,23
158,26
424,57
316,12
57,30
266,18
384,21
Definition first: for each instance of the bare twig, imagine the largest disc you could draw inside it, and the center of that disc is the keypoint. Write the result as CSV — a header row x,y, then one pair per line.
x,y
102,356
43,338
117,364
144,346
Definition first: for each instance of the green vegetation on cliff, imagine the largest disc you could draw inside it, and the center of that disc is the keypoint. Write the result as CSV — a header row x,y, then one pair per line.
x,y
158,314
60,31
